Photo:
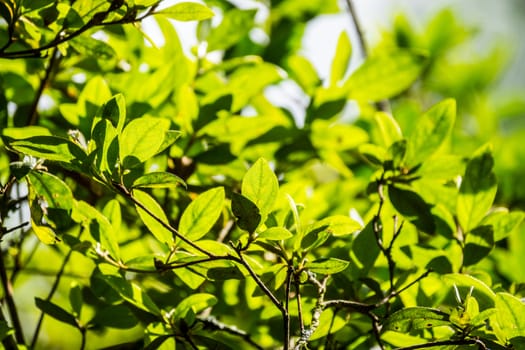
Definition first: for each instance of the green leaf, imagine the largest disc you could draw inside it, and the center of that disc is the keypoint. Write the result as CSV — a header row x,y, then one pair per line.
x,y
385,76
75,298
260,185
503,222
509,315
478,244
114,316
410,204
328,266
341,60
52,148
365,251
415,318
386,130
247,214
431,130
107,148
483,294
200,216
98,226
45,234
158,180
234,26
478,189
129,291
55,311
275,234
340,225
152,223
142,139
303,72
114,110
195,302
187,11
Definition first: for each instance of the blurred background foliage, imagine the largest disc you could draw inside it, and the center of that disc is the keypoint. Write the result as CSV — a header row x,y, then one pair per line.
x,y
250,60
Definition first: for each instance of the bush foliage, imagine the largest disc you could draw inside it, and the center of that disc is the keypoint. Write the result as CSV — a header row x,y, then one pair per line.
x,y
157,197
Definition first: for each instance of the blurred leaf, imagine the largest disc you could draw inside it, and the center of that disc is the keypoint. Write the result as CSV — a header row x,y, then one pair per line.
x,y
236,24
114,316
195,302
415,318
384,76
509,315
386,129
364,251
202,213
341,60
430,132
55,311
156,228
303,72
503,223
247,214
187,11
478,189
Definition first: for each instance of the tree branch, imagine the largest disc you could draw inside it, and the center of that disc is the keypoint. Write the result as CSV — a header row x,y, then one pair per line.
x,y
213,323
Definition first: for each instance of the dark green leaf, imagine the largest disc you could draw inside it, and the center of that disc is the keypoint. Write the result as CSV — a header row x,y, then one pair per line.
x,y
415,318
364,251
478,244
115,316
409,204
56,312
247,214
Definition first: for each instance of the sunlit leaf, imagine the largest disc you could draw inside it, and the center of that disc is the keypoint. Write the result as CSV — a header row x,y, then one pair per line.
x,y
158,180
275,234
431,131
341,60
187,11
142,139
478,189
202,213
415,318
328,266
151,219
385,75
260,185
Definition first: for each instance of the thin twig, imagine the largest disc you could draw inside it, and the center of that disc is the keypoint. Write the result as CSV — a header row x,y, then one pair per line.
x,y
446,343
123,190
11,306
33,111
213,323
383,105
53,289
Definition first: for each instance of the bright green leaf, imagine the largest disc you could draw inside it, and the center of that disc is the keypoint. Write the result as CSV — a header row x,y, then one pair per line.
x,y
151,219
509,315
341,60
142,139
200,216
484,295
385,76
477,191
432,129
158,180
328,266
195,302
275,234
386,130
187,11
503,223
260,185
